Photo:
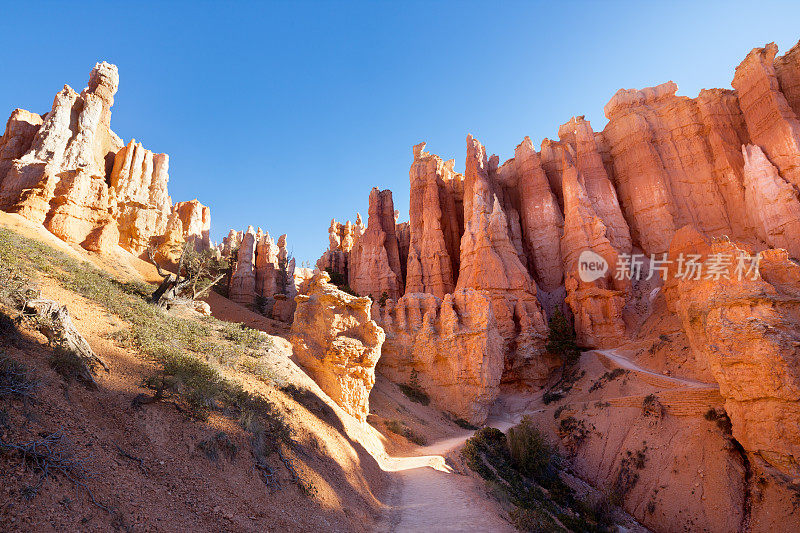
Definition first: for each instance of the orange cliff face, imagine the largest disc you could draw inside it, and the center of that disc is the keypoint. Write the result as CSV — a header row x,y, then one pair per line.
x,y
724,163
75,176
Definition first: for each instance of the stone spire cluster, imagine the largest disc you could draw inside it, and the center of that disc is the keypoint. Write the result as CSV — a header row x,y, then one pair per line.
x,y
70,172
495,250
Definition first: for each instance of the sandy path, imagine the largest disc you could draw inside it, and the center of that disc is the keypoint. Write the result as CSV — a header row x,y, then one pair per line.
x,y
433,498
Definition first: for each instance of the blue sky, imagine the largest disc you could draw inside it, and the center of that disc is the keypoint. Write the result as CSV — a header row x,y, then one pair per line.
x,y
285,114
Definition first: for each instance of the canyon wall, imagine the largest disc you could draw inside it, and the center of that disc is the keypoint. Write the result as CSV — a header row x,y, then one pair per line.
x,y
70,172
726,164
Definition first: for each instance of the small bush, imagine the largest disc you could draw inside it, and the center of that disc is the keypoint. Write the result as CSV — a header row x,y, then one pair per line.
x,y
651,406
463,424
382,299
531,453
627,476
562,340
243,336
535,520
551,396
400,428
340,280
16,380
414,391
219,443
67,365
573,431
721,418
607,377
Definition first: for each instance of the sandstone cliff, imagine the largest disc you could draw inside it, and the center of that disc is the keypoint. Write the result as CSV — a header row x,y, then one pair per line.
x,y
452,345
744,327
70,172
724,163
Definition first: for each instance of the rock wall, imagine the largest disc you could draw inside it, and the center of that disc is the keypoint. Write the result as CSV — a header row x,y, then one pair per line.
x,y
70,172
188,222
337,342
725,163
453,346
436,224
263,276
745,329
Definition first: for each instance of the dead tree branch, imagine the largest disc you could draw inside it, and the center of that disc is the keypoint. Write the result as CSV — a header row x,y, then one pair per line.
x,y
54,322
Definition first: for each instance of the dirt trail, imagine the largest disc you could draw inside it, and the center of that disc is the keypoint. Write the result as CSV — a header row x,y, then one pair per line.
x,y
433,498
626,363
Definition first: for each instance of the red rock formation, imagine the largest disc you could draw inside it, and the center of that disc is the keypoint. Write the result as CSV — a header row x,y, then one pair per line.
x,y
490,262
340,237
588,162
541,218
21,129
787,69
335,340
435,224
774,203
745,329
453,345
71,173
374,263
242,288
231,242
263,275
596,304
664,164
188,222
771,122
139,199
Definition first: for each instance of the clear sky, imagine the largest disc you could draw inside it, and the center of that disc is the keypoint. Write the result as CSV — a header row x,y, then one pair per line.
x,y
284,115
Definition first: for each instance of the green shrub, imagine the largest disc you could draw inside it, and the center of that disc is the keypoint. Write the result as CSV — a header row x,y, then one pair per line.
x,y
607,377
551,396
561,340
531,453
460,422
16,381
535,520
414,391
219,443
243,336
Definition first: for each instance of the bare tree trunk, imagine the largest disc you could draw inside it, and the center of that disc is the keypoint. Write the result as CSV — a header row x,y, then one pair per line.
x,y
57,326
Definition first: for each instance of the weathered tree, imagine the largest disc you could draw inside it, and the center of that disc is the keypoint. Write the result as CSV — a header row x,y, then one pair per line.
x,y
195,275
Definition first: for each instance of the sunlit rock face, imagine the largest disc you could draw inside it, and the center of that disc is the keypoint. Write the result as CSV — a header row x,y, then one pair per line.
x,y
263,276
338,343
436,224
70,172
453,345
374,265
724,164
745,328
